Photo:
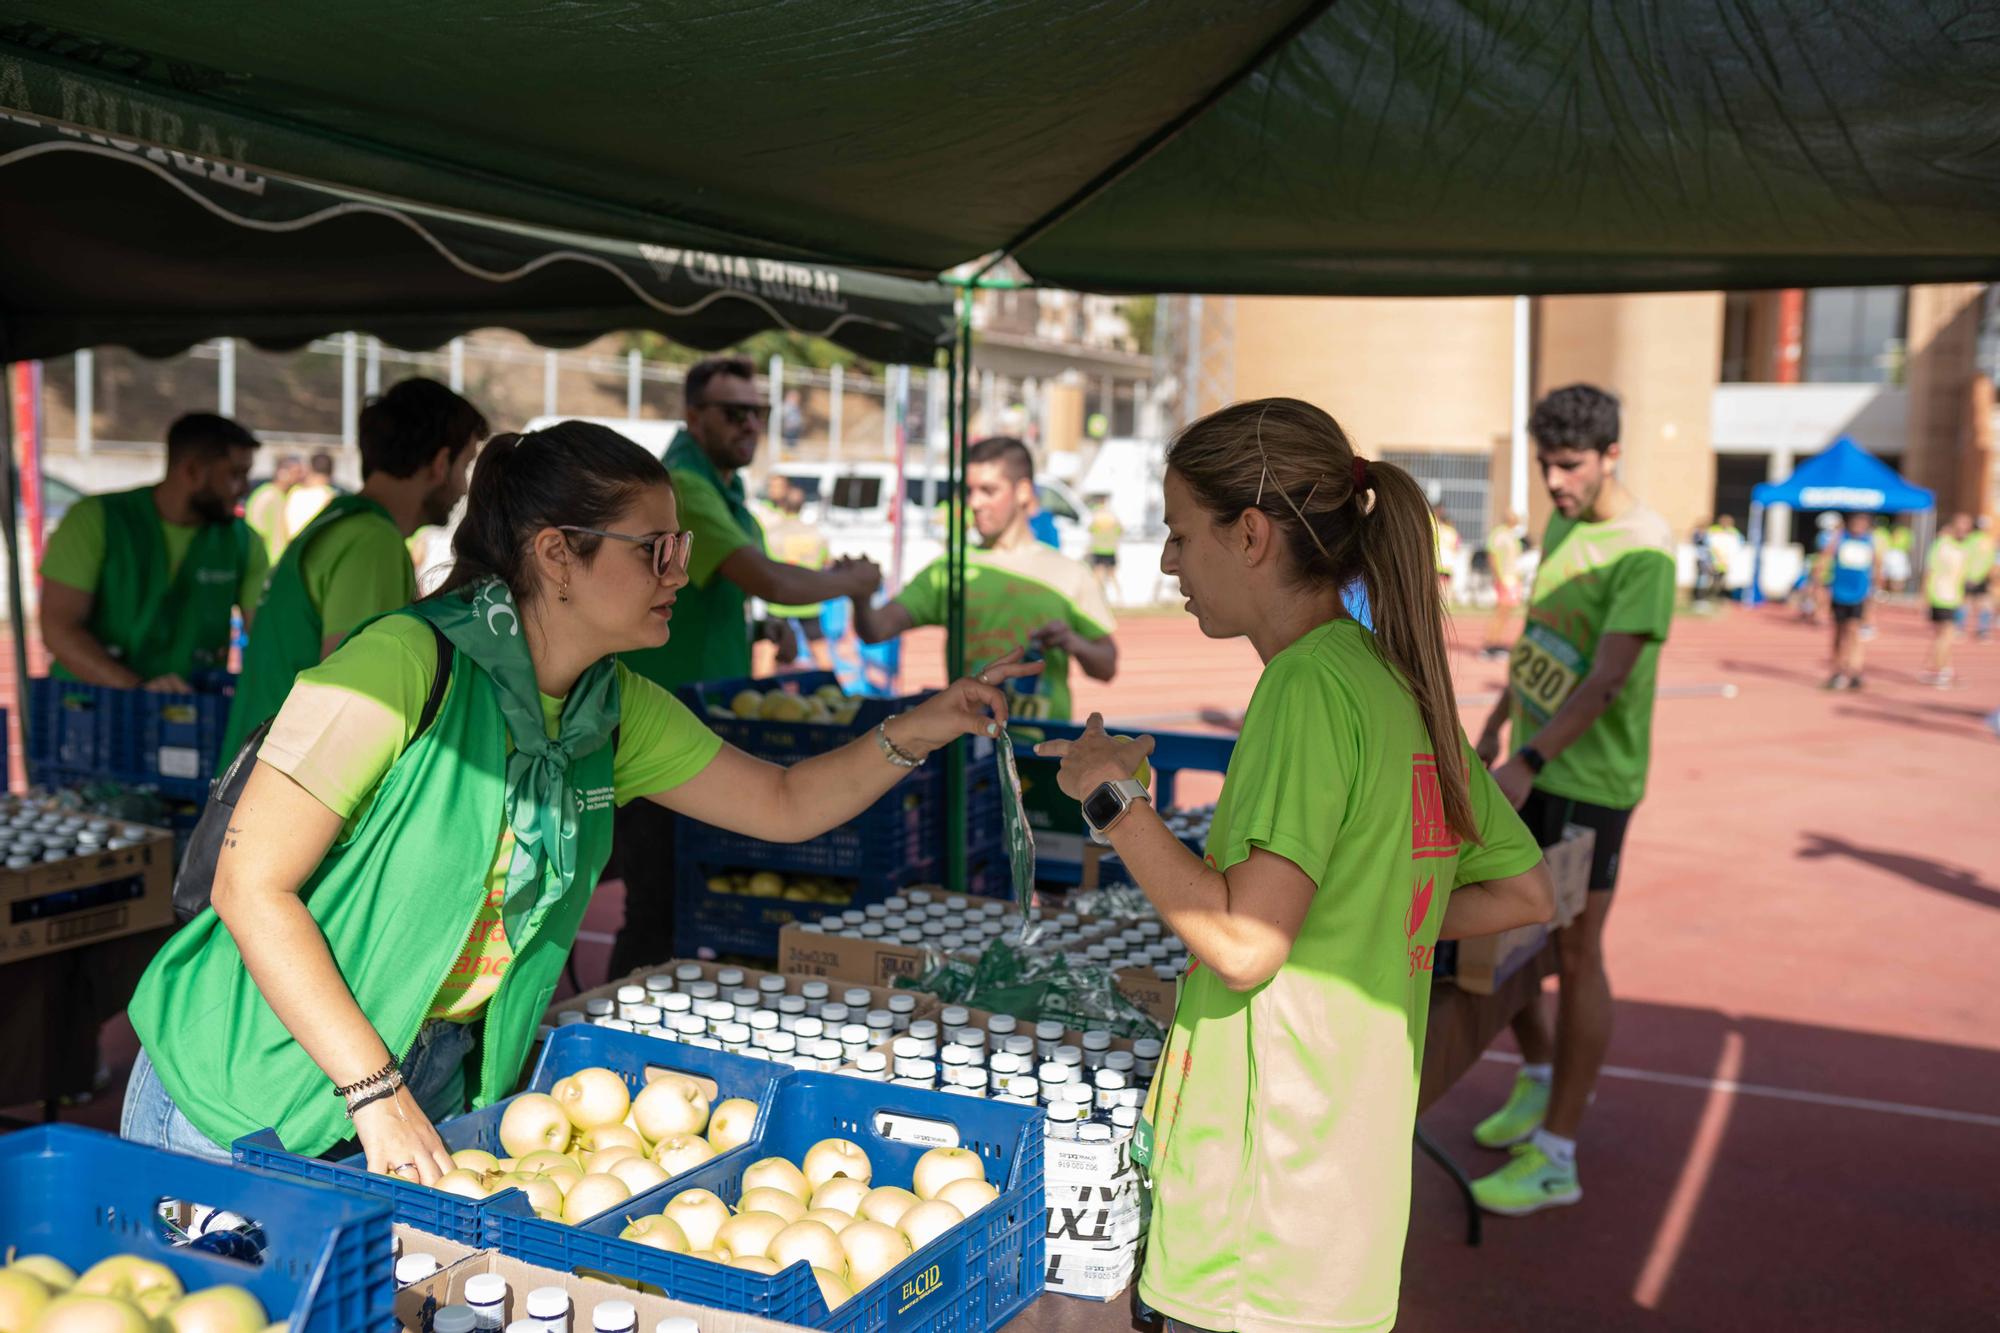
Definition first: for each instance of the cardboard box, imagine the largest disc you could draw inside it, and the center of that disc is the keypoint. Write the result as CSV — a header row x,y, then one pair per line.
x,y
1143,988
417,1305
1486,960
808,953
447,1252
58,905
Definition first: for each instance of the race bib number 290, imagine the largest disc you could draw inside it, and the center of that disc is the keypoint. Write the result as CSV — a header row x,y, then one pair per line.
x,y
1546,667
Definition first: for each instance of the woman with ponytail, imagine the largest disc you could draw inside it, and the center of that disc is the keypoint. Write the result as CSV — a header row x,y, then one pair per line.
x,y
1354,831
410,859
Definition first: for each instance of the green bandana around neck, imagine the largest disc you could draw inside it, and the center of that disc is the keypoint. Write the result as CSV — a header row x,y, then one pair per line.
x,y
542,804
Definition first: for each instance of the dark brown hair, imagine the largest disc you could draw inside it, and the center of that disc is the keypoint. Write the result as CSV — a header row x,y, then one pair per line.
x,y
1292,463
571,474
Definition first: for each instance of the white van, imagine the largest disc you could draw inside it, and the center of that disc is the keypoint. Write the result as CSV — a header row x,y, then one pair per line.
x,y
848,496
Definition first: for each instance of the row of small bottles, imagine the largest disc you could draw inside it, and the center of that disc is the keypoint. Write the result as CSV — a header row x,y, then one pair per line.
x,y
545,1310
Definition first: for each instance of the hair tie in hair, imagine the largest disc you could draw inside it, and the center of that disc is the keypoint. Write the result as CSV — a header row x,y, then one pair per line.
x,y
1360,473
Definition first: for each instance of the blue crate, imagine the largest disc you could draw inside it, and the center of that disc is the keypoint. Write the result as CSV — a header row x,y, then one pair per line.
x,y
82,1196
568,1049
972,1279
728,923
787,742
1173,753
170,742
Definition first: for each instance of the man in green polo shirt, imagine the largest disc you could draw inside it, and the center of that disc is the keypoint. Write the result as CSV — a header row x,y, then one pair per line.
x,y
264,510
350,564
711,631
1018,592
1579,701
138,587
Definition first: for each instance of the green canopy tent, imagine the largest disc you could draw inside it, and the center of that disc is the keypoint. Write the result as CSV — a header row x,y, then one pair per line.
x,y
1370,146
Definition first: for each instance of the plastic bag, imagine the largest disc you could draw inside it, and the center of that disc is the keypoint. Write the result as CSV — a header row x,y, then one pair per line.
x,y
1035,987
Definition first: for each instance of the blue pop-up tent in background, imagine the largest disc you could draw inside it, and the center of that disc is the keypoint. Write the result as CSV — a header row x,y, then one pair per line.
x,y
1843,476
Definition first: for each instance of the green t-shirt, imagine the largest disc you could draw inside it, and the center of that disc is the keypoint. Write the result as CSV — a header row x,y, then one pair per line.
x,y
1979,557
1008,595
356,570
709,635
1944,573
1282,1115
347,719
74,556
1595,579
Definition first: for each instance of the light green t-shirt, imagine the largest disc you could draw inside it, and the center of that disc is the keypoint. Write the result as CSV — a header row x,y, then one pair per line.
x,y
348,719
1282,1116
1944,573
1979,549
1595,579
356,570
74,556
1008,595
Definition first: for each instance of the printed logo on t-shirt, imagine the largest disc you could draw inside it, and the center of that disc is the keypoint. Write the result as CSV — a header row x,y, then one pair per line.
x,y
1421,955
1431,834
595,798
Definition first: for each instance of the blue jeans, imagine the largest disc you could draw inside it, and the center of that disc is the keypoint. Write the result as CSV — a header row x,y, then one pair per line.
x,y
434,1071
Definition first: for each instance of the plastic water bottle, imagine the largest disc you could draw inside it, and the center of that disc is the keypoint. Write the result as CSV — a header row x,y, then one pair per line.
x,y
614,1317
486,1294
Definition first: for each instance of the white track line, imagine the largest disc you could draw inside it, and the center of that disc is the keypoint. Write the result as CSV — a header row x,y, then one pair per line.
x,y
1781,1094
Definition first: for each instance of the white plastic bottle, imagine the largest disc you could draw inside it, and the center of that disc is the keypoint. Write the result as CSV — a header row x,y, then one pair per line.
x,y
614,1317
414,1268
486,1294
548,1310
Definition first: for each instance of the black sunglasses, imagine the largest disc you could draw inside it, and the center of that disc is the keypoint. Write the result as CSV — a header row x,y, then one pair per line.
x,y
740,413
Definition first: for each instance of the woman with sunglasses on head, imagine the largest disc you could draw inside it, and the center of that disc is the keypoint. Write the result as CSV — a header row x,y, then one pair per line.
x,y
1354,831
405,873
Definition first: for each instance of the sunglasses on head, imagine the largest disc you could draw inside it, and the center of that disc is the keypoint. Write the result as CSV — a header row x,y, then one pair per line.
x,y
669,551
740,413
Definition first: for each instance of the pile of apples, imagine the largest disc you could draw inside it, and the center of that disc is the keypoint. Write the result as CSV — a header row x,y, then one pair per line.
x,y
825,706
121,1294
587,1144
791,888
825,1211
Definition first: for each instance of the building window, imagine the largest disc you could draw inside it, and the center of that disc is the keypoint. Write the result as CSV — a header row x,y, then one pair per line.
x,y
1854,335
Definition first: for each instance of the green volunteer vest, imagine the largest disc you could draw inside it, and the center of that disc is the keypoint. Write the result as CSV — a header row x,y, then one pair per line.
x,y
288,634
396,901
158,625
710,638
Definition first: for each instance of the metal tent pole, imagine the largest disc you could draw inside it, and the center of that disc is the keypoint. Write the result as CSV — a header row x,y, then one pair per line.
x,y
954,773
16,613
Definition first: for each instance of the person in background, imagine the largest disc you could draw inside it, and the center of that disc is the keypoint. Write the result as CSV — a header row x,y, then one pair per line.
x,y
1445,533
351,563
1944,590
305,500
1354,831
1896,558
138,587
1979,553
1503,558
793,541
1579,704
1725,544
394,904
264,507
792,421
1706,584
726,415
1018,592
1852,577
1042,525
1105,534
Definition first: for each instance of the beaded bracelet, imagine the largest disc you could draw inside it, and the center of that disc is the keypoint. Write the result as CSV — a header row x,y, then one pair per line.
x,y
378,1076
383,1093
891,751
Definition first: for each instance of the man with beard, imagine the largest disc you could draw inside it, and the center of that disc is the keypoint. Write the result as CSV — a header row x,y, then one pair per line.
x,y
138,587
350,564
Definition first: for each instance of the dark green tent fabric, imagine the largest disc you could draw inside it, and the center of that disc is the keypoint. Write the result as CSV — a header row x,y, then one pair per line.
x,y
112,242
1427,146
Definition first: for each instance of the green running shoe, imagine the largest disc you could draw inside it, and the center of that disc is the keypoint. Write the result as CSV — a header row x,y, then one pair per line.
x,y
1520,1117
1528,1184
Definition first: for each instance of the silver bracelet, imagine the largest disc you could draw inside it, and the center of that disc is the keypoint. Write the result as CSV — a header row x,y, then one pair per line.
x,y
374,1090
891,751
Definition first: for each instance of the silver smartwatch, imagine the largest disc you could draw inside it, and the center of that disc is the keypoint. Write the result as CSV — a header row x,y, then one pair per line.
x,y
1108,804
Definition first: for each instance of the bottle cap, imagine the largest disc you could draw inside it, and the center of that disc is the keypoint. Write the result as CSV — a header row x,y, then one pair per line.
x,y
614,1317
414,1268
454,1319
485,1289
902,1004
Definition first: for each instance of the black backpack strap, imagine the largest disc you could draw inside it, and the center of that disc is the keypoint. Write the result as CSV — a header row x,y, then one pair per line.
x,y
438,682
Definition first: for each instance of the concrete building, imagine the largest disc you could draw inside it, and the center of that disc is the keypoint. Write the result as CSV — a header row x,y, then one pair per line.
x,y
1720,390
